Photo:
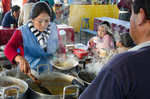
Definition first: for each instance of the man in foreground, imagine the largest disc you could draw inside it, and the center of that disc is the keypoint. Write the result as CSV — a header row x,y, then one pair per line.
x,y
126,76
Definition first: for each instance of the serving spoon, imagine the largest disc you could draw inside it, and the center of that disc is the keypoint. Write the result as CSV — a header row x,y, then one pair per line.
x,y
40,85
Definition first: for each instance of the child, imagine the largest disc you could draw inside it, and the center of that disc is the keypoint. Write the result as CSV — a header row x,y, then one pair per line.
x,y
103,40
124,43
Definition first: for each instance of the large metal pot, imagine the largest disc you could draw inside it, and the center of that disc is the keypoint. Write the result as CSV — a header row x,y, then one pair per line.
x,y
86,76
56,83
8,87
17,74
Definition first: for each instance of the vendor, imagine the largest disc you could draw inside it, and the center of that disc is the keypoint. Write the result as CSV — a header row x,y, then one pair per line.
x,y
37,40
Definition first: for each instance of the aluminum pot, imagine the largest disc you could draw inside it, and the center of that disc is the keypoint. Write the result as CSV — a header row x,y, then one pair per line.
x,y
8,87
17,74
86,76
57,83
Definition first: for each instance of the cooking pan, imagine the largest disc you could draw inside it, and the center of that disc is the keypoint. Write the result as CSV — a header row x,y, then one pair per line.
x,y
86,76
64,64
57,83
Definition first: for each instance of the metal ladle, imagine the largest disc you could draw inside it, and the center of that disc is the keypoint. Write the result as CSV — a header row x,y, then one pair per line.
x,y
40,85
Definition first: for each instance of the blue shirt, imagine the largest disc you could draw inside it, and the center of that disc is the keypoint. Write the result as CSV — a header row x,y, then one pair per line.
x,y
125,76
9,19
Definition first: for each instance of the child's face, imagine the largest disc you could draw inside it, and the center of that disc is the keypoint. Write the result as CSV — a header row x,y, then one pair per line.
x,y
118,43
101,31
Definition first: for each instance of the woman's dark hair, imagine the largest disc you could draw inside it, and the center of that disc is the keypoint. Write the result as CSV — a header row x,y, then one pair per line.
x,y
126,40
144,4
32,1
38,8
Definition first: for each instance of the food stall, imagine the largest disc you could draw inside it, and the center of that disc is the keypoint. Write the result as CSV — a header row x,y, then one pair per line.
x,y
79,61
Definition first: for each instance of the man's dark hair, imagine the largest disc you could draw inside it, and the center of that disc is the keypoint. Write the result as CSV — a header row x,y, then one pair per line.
x,y
15,8
144,4
126,40
38,8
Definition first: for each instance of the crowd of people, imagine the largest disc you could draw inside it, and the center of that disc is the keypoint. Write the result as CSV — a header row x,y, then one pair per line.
x,y
124,76
18,17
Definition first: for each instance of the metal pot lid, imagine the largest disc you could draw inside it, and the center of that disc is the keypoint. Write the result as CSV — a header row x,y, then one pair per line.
x,y
18,74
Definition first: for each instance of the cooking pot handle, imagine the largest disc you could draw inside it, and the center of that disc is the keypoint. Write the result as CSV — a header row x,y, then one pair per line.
x,y
75,82
8,88
41,66
70,86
